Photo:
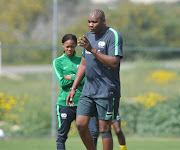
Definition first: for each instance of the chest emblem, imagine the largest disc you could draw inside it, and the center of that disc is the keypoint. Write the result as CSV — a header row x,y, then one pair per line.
x,y
101,44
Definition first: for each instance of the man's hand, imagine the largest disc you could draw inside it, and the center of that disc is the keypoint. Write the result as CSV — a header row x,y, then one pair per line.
x,y
84,42
70,98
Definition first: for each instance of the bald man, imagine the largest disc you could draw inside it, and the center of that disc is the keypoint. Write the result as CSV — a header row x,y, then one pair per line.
x,y
100,64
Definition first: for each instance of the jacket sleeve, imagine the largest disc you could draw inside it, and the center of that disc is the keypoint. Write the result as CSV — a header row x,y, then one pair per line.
x,y
60,76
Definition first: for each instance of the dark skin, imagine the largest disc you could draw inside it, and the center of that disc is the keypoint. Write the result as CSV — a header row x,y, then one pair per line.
x,y
97,25
69,48
119,133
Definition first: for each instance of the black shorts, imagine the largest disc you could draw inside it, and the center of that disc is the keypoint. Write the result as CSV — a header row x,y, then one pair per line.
x,y
106,108
117,118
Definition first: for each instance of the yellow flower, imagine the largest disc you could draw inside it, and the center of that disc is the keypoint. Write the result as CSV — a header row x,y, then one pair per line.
x,y
73,129
162,76
1,94
12,101
150,99
123,123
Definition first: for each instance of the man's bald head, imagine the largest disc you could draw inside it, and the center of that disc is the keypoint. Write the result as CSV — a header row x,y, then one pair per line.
x,y
98,12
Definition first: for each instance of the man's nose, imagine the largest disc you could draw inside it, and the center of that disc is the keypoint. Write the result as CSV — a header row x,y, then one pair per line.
x,y
91,24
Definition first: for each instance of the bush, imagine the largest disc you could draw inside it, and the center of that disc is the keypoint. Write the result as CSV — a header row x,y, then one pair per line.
x,y
129,113
24,115
160,120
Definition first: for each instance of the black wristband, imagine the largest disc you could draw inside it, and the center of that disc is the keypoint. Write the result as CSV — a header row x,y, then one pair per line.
x,y
73,89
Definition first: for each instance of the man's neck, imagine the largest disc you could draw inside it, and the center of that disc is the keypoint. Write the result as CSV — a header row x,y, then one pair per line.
x,y
102,31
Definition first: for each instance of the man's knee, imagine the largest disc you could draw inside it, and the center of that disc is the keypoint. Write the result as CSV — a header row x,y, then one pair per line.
x,y
106,134
119,133
82,122
81,126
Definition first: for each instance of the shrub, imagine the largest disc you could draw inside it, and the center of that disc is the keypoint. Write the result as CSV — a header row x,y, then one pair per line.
x,y
160,120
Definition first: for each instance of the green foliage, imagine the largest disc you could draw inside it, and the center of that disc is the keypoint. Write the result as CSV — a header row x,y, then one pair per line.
x,y
26,98
161,120
16,17
26,109
26,56
130,113
140,24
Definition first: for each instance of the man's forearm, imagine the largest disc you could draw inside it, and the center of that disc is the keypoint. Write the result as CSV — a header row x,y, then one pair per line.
x,y
110,61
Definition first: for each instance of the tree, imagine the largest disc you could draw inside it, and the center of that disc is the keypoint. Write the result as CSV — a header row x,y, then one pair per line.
x,y
16,17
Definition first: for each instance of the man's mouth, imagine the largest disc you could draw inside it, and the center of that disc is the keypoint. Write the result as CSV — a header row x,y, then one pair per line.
x,y
91,29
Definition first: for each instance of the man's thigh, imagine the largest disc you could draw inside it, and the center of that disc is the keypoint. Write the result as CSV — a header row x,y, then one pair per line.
x,y
107,108
86,106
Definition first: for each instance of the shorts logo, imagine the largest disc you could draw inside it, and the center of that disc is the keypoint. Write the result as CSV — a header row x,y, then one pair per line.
x,y
64,115
101,44
111,93
109,114
77,66
118,117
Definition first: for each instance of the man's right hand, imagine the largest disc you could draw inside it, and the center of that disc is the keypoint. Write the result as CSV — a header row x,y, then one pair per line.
x,y
70,98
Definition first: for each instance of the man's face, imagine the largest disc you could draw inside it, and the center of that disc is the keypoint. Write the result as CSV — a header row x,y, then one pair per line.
x,y
95,24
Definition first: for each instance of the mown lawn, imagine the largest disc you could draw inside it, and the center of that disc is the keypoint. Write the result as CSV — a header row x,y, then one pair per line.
x,y
74,143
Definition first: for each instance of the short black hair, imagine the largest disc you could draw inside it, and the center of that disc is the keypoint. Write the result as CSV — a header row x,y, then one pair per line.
x,y
69,37
98,12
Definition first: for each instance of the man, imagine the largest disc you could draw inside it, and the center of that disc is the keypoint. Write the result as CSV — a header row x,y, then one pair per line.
x,y
101,91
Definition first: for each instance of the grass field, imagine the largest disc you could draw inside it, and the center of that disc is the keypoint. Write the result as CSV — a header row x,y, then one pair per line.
x,y
74,143
33,94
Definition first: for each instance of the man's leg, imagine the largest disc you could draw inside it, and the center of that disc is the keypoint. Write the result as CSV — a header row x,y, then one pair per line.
x,y
94,129
82,126
120,135
105,130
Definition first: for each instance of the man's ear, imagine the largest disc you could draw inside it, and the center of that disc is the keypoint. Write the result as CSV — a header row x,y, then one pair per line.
x,y
104,21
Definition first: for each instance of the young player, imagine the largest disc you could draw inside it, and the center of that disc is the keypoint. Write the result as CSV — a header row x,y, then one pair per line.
x,y
65,68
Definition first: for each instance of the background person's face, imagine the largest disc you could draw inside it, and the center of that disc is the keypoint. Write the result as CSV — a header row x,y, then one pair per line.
x,y
95,24
69,47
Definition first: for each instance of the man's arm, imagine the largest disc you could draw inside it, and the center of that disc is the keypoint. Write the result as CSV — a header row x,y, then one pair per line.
x,y
79,77
110,61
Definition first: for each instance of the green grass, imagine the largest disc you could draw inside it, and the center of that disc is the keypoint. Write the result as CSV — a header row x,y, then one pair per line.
x,y
134,80
75,143
36,118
